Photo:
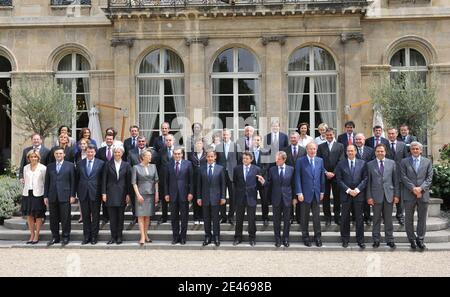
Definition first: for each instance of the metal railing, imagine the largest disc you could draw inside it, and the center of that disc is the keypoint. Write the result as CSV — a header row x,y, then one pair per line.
x,y
70,2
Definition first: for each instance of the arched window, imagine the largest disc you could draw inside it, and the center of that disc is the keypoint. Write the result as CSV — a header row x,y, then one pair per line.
x,y
160,92
312,88
235,90
5,122
408,59
73,74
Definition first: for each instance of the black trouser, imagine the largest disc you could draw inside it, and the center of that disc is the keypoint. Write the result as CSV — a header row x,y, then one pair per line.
x,y
367,216
383,209
211,213
306,208
60,212
422,209
251,218
331,185
116,218
399,206
179,209
357,207
298,213
281,213
164,209
264,202
105,215
90,211
133,206
223,208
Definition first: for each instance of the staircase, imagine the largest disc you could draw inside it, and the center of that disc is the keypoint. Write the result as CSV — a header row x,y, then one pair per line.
x,y
14,233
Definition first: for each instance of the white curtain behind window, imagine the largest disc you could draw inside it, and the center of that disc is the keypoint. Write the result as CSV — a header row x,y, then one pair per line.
x,y
326,84
297,86
148,103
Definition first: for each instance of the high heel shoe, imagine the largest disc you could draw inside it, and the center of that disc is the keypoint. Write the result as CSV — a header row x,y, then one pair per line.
x,y
35,242
148,240
29,242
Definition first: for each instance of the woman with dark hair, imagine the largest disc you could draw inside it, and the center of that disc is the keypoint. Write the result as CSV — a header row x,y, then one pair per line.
x,y
304,137
197,131
66,130
85,133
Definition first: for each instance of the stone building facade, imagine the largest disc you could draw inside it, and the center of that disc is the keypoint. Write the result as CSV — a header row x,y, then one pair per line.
x,y
299,60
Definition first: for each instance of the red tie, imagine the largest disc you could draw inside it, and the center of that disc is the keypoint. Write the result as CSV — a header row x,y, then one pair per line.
x,y
350,139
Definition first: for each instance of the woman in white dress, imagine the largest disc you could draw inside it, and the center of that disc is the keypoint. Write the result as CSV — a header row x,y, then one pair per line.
x,y
304,137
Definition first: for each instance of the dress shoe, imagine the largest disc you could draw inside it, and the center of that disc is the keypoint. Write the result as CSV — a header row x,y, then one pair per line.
x,y
175,241
292,221
337,221
94,241
35,242
286,243
162,221
413,245
206,241
148,240
85,241
368,222
231,222
401,221
278,244
111,241
237,241
318,242
307,243
327,223
391,245
183,241
266,223
223,221
345,244
119,240
252,243
29,242
65,242
376,244
421,245
52,242
361,245
217,242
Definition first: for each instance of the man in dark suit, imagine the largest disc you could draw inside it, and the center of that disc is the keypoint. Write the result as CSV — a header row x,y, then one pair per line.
x,y
416,175
280,184
382,192
293,152
276,140
131,142
211,195
376,139
397,152
180,188
59,193
37,145
89,192
245,143
261,158
165,157
366,154
106,154
245,180
349,136
228,157
405,136
158,143
351,176
331,152
310,187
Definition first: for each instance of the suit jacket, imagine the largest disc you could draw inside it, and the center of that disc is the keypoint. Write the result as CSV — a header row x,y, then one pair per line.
x,y
101,154
263,161
245,190
144,181
242,144
367,155
346,179
157,143
43,152
127,145
134,159
311,183
281,191
181,185
401,152
59,187
408,140
386,185
343,138
370,142
89,186
411,179
69,155
331,158
34,181
196,164
211,191
283,140
230,161
116,188
290,158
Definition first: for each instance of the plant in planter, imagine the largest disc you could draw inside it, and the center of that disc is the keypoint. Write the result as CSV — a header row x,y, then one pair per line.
x,y
441,177
10,196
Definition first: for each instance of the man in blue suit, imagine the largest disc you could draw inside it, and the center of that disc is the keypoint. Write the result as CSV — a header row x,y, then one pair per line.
x,y
211,196
180,186
245,180
310,187
59,193
280,183
89,192
351,177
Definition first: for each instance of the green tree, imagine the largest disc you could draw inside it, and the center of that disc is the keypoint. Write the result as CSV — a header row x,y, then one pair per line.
x,y
40,106
407,99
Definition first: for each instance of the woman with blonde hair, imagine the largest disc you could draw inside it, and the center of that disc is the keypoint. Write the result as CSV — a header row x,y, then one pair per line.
x,y
322,128
33,206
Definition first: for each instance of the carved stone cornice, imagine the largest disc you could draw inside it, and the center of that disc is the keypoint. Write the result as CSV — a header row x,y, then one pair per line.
x,y
276,38
190,40
358,36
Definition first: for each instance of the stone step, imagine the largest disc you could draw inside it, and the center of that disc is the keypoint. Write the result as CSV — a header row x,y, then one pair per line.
x,y
433,224
198,235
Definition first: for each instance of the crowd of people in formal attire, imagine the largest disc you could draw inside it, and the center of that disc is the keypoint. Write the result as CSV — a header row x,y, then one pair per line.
x,y
222,180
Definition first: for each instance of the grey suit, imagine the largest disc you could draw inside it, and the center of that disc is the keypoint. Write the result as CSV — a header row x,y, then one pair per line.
x,y
145,181
410,179
382,187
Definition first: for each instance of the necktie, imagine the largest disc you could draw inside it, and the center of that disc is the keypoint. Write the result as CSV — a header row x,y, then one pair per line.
x,y
226,150
377,142
133,142
177,168
210,172
295,152
352,167
108,154
311,161
256,156
58,167
281,173
89,169
360,152
416,164
350,139
275,138
381,167
170,153
330,146
247,168
393,147
404,138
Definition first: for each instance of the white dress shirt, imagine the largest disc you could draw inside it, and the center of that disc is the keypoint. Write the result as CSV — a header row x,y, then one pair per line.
x,y
117,164
350,166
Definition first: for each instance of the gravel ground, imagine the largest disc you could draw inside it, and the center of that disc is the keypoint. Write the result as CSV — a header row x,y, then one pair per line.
x,y
42,262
